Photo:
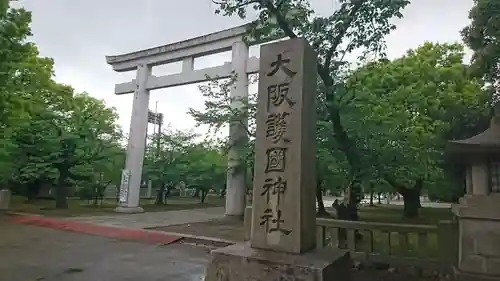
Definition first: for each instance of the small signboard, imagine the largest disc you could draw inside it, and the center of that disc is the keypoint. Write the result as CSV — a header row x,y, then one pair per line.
x,y
124,187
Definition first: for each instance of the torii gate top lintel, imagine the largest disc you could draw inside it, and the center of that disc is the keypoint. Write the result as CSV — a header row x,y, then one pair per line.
x,y
186,51
200,46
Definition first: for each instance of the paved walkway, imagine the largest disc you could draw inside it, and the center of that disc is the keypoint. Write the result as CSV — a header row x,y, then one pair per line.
x,y
155,219
167,218
133,234
42,254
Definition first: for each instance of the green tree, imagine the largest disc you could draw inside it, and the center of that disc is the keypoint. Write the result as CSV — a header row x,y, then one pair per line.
x,y
49,134
67,143
483,37
331,165
24,78
179,158
165,161
402,113
218,113
207,169
355,27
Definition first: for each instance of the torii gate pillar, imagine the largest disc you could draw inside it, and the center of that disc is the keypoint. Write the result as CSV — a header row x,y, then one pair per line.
x,y
236,174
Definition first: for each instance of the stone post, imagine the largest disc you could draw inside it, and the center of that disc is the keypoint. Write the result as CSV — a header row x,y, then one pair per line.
x,y
284,202
132,174
4,199
480,181
149,194
468,180
282,245
236,175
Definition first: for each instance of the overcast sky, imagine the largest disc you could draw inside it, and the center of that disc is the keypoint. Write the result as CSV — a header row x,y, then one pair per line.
x,y
78,35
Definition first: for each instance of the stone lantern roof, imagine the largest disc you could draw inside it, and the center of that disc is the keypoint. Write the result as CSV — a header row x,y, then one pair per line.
x,y
483,144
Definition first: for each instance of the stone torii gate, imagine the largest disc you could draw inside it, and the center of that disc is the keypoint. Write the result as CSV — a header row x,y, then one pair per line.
x,y
185,51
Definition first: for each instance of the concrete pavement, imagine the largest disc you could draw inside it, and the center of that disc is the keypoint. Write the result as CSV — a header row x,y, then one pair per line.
x,y
154,219
32,253
167,218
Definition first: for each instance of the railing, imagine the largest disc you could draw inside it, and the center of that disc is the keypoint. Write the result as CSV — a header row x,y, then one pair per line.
x,y
422,246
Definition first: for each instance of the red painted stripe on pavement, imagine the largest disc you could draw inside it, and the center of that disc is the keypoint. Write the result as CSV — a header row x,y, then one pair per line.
x,y
99,230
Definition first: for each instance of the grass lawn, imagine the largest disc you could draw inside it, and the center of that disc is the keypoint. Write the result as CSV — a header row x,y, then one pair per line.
x,y
394,214
78,207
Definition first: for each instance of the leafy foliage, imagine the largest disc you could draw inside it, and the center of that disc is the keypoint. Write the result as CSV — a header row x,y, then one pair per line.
x,y
174,157
483,37
403,112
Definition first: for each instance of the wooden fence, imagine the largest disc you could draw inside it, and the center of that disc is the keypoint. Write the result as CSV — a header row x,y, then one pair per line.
x,y
432,247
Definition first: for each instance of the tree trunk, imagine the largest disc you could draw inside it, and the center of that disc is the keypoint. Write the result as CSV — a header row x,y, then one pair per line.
x,y
62,190
348,147
33,189
204,193
371,195
196,193
160,195
319,197
411,201
169,190
379,194
411,197
222,193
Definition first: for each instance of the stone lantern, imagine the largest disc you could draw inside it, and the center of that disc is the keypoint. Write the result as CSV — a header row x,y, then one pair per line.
x,y
478,212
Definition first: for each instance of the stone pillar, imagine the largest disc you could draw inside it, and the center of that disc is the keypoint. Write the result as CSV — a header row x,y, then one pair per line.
x,y
283,228
132,174
479,229
236,175
468,180
480,180
285,149
150,189
479,238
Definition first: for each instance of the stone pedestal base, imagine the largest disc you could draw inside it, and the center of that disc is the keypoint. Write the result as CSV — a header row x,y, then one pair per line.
x,y
247,225
241,262
234,218
464,276
479,236
129,210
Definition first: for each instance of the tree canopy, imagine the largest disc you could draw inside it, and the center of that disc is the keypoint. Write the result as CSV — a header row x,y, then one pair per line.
x,y
174,157
402,113
483,37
